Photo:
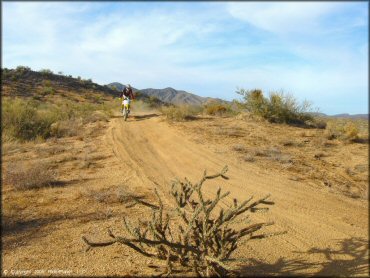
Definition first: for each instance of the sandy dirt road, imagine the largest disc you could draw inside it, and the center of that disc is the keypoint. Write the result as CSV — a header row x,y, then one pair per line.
x,y
327,234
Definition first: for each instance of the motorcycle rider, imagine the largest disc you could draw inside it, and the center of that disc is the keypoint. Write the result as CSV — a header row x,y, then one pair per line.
x,y
126,94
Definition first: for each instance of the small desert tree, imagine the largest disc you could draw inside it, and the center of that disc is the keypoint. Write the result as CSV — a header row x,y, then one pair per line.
x,y
254,101
277,108
202,237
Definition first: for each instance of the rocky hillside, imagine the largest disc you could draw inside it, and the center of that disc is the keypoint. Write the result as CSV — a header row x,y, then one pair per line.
x,y
24,82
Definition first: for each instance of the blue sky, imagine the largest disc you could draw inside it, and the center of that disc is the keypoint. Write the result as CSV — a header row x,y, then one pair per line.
x,y
316,51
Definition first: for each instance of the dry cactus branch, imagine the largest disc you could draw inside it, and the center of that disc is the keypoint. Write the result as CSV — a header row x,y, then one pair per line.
x,y
199,238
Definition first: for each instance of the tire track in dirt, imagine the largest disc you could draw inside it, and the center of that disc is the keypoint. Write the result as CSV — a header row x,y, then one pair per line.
x,y
154,153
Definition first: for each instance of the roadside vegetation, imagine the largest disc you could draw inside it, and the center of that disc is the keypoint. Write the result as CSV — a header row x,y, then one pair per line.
x,y
179,113
348,130
30,176
25,120
277,108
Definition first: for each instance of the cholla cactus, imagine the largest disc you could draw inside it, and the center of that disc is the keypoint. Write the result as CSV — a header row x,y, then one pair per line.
x,y
201,238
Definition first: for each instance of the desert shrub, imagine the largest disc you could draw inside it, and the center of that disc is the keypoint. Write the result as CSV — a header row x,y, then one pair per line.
x,y
254,101
5,74
66,128
98,99
21,120
116,195
46,72
153,101
271,153
46,83
230,132
216,109
26,120
277,108
31,176
96,116
239,148
205,236
351,131
180,113
319,123
107,196
342,130
47,90
22,69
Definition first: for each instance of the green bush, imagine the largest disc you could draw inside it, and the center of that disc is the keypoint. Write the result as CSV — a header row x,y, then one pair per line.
x,y
46,72
47,91
277,108
22,69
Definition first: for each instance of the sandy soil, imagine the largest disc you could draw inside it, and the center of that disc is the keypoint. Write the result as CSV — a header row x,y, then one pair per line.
x,y
327,234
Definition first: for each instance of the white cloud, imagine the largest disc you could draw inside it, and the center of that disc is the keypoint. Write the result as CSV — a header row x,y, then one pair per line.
x,y
170,47
284,17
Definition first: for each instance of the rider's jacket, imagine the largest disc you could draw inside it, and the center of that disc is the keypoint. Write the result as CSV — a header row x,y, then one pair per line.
x,y
127,93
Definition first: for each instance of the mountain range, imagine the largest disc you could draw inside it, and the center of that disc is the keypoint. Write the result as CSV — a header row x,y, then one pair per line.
x,y
170,95
343,115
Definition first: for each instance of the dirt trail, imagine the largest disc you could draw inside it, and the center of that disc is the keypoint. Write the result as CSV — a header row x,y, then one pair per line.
x,y
327,233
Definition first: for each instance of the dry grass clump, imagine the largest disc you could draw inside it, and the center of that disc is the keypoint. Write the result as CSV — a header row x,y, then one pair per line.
x,y
249,158
230,132
96,116
108,196
66,128
271,153
30,176
239,148
180,113
22,121
216,108
351,131
9,146
320,155
319,123
203,238
291,143
361,168
116,195
346,130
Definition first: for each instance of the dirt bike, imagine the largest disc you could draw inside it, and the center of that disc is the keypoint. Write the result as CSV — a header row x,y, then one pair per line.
x,y
126,108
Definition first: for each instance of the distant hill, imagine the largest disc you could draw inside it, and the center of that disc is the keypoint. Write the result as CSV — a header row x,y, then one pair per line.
x,y
119,87
354,116
175,96
50,87
170,95
24,82
344,115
